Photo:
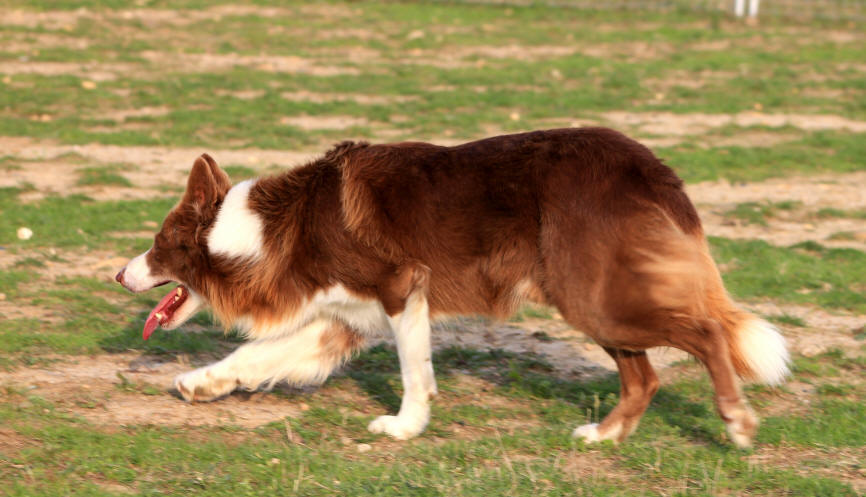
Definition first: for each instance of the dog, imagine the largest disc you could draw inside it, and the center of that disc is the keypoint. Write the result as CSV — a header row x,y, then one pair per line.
x,y
312,262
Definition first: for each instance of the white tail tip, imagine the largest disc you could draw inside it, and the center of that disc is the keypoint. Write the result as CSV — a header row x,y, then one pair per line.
x,y
764,350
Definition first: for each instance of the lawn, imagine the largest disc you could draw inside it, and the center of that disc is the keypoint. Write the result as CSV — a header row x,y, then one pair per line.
x,y
104,106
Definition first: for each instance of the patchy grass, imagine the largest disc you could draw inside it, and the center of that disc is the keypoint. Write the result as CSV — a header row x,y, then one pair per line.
x,y
831,212
803,273
108,176
515,440
531,311
417,71
788,320
74,220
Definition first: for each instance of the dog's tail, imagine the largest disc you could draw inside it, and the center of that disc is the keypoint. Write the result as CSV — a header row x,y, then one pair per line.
x,y
758,351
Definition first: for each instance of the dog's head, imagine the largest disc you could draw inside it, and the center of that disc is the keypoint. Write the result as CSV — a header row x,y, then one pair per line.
x,y
179,252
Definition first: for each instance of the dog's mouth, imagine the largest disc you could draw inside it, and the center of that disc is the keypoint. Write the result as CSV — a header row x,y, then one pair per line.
x,y
164,311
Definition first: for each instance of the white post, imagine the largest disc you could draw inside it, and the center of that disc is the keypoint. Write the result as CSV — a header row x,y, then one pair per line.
x,y
753,8
739,7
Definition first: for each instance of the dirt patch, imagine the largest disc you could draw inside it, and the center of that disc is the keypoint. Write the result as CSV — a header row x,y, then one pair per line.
x,y
667,123
749,138
93,388
321,98
823,331
175,62
121,115
154,171
59,19
323,122
11,442
93,71
206,62
842,191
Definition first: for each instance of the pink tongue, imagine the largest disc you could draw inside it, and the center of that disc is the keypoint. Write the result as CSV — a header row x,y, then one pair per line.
x,y
153,320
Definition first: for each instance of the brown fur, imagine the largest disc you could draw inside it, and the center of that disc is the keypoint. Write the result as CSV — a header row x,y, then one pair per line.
x,y
586,220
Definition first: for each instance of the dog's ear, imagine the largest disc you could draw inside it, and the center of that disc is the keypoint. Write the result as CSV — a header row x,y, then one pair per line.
x,y
207,184
222,180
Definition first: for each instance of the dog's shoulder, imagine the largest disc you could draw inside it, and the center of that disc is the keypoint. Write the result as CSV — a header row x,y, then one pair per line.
x,y
379,188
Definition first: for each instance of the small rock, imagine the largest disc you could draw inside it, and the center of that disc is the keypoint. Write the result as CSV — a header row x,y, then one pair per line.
x,y
150,224
273,462
304,407
24,233
556,74
88,85
515,116
2,296
415,35
364,448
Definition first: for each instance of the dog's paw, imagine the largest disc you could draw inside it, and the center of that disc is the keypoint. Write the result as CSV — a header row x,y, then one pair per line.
x,y
397,427
200,385
742,427
590,433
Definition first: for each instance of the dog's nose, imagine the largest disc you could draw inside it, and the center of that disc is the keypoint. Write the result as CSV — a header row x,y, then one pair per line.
x,y
119,277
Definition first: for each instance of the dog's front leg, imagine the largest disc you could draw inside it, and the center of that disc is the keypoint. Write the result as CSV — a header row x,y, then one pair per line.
x,y
412,331
304,357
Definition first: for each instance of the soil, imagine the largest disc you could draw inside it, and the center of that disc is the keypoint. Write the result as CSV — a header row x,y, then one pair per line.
x,y
104,389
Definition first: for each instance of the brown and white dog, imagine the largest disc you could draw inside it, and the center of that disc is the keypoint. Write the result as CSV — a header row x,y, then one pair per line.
x,y
312,262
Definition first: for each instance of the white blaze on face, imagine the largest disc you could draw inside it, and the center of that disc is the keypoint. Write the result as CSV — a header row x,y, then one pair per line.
x,y
237,231
138,277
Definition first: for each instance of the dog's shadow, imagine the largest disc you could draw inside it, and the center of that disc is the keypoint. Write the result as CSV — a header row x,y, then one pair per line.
x,y
376,370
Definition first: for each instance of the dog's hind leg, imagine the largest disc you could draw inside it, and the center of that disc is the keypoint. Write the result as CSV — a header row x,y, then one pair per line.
x,y
707,343
305,357
412,331
638,385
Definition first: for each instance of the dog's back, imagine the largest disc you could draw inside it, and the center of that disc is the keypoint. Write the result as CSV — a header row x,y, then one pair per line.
x,y
511,213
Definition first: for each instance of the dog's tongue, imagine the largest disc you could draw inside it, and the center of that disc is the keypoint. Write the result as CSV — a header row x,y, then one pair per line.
x,y
164,310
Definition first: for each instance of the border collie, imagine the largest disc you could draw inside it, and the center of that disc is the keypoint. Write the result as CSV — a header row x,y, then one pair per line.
x,y
312,262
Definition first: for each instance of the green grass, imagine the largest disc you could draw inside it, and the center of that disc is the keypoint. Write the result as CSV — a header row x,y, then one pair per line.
x,y
759,212
74,220
502,422
803,273
475,94
108,176
678,446
788,320
831,212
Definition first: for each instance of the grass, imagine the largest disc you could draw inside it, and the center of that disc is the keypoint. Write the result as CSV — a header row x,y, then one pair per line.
x,y
108,176
803,273
467,448
831,212
473,95
411,71
759,212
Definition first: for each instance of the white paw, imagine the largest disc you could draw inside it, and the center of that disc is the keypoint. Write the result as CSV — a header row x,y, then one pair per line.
x,y
200,385
397,427
742,427
589,433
